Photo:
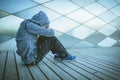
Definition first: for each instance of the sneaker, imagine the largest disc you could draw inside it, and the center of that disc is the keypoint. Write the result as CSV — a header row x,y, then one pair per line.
x,y
69,57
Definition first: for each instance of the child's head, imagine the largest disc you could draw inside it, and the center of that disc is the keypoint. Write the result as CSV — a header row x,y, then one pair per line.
x,y
42,19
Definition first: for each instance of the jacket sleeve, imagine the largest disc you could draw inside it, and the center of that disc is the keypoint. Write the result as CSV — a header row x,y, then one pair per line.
x,y
37,30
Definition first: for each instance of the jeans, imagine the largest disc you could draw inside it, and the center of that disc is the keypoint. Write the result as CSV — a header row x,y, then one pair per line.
x,y
46,44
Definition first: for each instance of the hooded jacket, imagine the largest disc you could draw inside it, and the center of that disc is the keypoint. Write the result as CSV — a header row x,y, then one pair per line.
x,y
28,33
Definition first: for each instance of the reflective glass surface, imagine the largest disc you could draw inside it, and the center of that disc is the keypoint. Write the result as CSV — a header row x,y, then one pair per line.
x,y
96,23
108,16
9,25
92,38
63,24
83,44
68,41
41,1
80,15
116,35
77,23
61,6
116,10
28,13
81,32
95,8
13,6
107,42
3,14
82,3
116,23
108,3
107,30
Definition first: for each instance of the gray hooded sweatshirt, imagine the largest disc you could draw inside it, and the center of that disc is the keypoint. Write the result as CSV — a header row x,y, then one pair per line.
x,y
28,33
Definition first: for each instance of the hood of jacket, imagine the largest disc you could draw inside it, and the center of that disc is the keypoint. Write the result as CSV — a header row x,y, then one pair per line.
x,y
41,19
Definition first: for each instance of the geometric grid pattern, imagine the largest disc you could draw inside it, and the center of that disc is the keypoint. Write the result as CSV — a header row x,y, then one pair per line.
x,y
77,23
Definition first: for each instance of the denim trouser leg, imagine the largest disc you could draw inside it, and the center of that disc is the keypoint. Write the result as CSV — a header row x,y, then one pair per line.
x,y
46,44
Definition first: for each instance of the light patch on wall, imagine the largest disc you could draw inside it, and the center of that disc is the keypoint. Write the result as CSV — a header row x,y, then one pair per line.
x,y
96,23
81,32
9,25
107,42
